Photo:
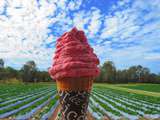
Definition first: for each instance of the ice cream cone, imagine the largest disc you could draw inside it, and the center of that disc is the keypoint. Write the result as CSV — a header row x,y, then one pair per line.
x,y
75,84
74,97
74,68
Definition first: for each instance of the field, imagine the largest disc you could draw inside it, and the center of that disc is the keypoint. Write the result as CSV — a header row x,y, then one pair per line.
x,y
145,87
38,101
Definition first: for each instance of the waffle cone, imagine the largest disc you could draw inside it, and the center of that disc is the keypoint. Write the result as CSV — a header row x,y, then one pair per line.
x,y
75,84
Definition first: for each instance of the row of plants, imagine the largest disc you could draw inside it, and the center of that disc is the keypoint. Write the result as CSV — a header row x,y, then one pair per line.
x,y
17,102
15,109
94,109
31,110
117,106
128,104
46,109
149,100
105,109
19,93
119,103
18,99
23,103
8,90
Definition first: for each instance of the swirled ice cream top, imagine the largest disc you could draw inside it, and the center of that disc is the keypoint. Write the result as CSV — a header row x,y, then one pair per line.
x,y
74,57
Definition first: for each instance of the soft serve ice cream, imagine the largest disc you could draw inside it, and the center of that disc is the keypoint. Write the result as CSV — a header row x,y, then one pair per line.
x,y
74,57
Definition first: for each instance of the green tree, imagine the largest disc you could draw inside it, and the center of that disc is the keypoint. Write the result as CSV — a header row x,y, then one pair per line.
x,y
109,72
100,77
11,72
28,72
1,63
138,74
133,74
158,78
122,76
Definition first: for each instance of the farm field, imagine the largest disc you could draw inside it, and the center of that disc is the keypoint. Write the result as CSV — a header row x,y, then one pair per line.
x,y
145,87
38,101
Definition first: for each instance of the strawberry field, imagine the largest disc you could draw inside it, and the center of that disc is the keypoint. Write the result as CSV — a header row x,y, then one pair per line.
x,y
38,101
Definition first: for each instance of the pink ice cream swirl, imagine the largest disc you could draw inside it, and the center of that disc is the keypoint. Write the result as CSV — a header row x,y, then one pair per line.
x,y
74,57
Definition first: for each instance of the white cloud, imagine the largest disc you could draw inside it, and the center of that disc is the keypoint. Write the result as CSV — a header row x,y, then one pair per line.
x,y
153,56
81,19
95,23
74,5
133,33
24,29
2,4
110,27
23,34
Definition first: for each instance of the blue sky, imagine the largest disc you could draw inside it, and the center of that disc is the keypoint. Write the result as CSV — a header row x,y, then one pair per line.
x,y
124,31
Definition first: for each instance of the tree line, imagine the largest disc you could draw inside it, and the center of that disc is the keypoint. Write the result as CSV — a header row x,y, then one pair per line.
x,y
28,73
109,74
134,74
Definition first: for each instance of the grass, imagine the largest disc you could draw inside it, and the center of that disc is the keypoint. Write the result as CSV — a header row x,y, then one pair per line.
x,y
11,81
145,87
125,89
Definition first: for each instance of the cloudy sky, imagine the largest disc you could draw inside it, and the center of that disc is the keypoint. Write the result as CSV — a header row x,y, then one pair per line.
x,y
124,31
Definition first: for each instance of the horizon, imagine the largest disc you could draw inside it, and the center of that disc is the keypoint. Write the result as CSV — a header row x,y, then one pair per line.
x,y
46,70
126,32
